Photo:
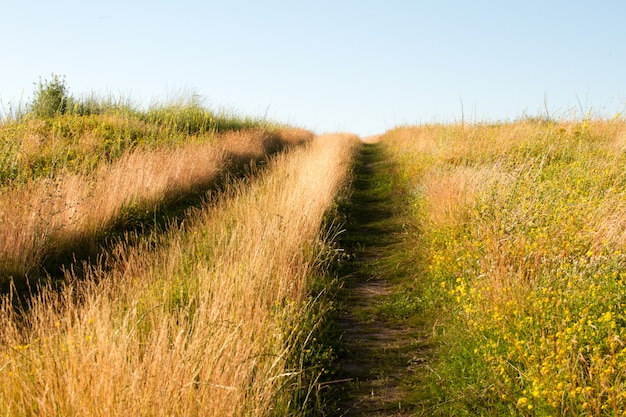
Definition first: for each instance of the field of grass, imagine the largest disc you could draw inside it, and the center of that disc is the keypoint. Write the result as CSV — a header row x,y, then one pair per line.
x,y
215,317
520,261
72,180
178,261
187,252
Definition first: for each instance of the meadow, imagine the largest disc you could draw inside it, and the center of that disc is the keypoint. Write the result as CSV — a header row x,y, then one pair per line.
x,y
519,249
181,261
71,180
221,313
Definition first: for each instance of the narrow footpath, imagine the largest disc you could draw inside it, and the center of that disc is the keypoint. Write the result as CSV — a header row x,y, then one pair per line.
x,y
384,350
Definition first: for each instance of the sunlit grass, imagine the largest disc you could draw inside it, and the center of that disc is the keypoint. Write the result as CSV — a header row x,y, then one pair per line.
x,y
522,226
34,147
45,215
217,311
68,179
217,318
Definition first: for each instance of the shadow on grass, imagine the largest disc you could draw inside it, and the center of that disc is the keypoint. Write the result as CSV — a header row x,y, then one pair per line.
x,y
370,223
132,225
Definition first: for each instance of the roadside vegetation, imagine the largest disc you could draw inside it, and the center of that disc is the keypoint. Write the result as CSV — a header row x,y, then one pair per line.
x,y
217,315
219,312
74,174
520,264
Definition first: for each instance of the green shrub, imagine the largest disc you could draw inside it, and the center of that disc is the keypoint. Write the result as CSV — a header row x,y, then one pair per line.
x,y
51,97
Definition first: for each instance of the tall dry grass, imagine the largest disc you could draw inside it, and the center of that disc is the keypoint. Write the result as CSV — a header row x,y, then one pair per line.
x,y
44,216
215,321
522,239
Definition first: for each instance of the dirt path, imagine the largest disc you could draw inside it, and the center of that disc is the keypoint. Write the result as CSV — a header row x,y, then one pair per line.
x,y
383,353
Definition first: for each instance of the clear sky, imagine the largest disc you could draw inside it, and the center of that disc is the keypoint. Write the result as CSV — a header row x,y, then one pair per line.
x,y
328,65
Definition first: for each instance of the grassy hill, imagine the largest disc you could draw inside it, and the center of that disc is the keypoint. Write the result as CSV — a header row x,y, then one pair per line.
x,y
72,180
166,262
520,260
178,261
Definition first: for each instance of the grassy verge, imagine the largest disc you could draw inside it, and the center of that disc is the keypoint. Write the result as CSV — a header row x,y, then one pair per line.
x,y
522,238
217,319
65,193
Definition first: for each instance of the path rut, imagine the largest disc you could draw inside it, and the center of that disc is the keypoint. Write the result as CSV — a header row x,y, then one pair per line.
x,y
381,353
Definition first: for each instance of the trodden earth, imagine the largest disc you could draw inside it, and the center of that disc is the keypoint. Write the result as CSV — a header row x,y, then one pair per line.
x,y
384,352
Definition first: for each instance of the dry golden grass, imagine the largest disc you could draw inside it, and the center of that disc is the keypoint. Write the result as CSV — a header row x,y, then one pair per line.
x,y
450,192
211,322
610,223
46,214
522,240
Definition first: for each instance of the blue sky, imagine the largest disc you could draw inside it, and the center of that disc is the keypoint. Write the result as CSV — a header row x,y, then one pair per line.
x,y
343,65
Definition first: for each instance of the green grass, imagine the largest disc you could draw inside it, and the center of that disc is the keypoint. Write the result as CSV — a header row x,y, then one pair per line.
x,y
521,235
53,157
376,223
34,147
57,132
